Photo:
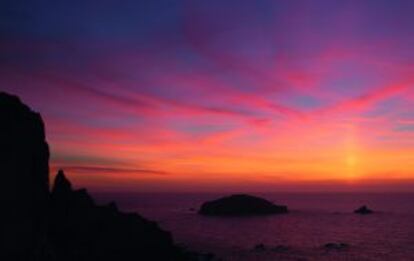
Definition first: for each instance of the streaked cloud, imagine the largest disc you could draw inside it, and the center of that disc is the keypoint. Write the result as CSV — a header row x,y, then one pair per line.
x,y
220,90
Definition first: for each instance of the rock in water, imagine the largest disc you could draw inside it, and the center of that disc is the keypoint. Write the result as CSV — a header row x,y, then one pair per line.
x,y
240,205
260,247
24,195
364,210
336,246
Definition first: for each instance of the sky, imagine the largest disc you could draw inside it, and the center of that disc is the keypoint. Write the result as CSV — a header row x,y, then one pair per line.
x,y
283,95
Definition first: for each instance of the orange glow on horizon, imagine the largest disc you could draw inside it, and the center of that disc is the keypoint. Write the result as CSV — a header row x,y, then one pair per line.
x,y
261,95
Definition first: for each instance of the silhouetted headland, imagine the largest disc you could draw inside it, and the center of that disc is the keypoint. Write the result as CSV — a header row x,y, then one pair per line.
x,y
64,224
24,195
86,231
364,210
240,205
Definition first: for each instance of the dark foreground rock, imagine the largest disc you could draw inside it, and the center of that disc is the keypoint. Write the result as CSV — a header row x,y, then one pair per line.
x,y
86,231
65,224
240,205
24,168
364,210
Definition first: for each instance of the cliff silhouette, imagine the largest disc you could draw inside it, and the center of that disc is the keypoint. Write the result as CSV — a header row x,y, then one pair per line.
x,y
61,224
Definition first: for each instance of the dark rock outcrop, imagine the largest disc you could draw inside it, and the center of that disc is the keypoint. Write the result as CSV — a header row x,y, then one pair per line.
x,y
64,224
240,205
336,246
24,194
260,247
83,230
364,210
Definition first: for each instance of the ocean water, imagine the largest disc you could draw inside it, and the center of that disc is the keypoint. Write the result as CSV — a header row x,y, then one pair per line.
x,y
314,220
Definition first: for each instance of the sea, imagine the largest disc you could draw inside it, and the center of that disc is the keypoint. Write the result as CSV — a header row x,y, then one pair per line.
x,y
314,220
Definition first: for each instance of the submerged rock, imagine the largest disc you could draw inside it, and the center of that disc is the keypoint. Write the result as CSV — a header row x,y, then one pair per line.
x,y
262,247
193,256
364,210
240,205
259,247
280,248
336,246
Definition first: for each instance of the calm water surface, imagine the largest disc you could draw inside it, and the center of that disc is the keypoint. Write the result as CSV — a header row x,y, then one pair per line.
x,y
314,220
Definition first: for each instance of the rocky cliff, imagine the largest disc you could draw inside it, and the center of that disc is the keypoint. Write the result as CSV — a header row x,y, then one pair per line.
x,y
64,224
24,168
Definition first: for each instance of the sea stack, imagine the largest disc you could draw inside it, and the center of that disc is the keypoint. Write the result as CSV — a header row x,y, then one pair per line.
x,y
364,210
240,205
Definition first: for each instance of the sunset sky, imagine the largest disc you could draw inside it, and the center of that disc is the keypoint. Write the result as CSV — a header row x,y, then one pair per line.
x,y
218,95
